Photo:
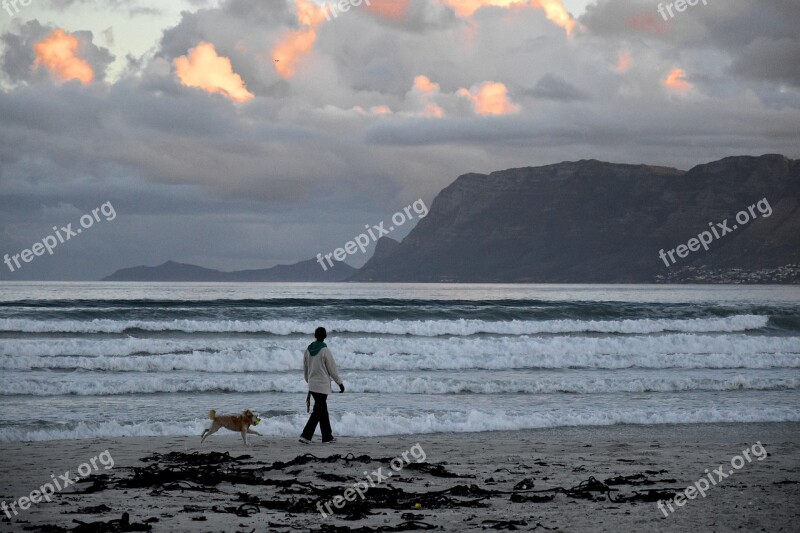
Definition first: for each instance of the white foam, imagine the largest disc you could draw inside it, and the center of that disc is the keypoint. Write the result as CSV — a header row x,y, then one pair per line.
x,y
578,382
403,353
385,422
106,429
114,347
424,328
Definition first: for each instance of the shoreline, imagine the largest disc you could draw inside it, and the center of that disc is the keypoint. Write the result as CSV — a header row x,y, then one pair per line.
x,y
629,461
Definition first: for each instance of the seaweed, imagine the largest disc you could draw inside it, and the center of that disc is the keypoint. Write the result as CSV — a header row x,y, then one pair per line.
x,y
404,526
280,490
97,509
119,525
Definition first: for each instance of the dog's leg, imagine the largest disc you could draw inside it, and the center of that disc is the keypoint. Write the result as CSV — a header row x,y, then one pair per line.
x,y
210,431
244,436
253,432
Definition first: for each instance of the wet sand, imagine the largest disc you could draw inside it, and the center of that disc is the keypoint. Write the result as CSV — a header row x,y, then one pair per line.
x,y
564,479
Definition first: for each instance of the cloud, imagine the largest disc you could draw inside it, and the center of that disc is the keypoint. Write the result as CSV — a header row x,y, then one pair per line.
x,y
554,9
425,86
374,110
390,9
556,13
20,63
676,81
108,35
426,99
770,59
624,62
383,111
490,98
646,23
467,8
58,52
131,8
552,87
205,70
425,91
296,45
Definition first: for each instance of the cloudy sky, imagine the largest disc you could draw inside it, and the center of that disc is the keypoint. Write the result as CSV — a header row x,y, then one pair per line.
x,y
247,133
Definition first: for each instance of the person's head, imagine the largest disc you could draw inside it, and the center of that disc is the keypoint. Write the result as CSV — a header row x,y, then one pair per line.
x,y
320,334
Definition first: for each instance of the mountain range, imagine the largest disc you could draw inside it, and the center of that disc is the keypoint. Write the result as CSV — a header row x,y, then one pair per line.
x,y
172,271
583,222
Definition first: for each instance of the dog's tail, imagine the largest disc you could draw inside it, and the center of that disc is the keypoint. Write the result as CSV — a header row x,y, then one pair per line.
x,y
212,414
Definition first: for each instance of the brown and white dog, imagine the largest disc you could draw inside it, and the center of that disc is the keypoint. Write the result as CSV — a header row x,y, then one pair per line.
x,y
240,423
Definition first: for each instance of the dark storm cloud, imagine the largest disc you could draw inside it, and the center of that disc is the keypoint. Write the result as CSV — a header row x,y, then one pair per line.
x,y
760,39
132,7
18,55
771,60
552,87
17,60
635,127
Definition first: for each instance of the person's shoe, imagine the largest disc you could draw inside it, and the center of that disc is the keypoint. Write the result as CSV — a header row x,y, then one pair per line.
x,y
333,439
305,440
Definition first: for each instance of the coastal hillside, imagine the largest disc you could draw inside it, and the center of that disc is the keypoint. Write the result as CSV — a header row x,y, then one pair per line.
x,y
596,222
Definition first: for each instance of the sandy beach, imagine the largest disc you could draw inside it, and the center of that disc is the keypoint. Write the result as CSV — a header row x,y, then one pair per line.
x,y
565,479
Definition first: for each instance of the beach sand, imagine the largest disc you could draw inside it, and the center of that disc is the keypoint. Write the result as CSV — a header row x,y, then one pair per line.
x,y
174,495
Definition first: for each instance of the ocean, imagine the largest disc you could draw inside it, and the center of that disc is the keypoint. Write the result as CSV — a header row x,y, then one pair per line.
x,y
89,360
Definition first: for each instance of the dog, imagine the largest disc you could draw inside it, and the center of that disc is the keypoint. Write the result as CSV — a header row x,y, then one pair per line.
x,y
240,423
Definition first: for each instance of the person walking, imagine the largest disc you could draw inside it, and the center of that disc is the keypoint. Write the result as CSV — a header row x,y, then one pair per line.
x,y
319,370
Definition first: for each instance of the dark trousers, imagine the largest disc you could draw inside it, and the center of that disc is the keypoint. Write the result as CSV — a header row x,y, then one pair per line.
x,y
319,415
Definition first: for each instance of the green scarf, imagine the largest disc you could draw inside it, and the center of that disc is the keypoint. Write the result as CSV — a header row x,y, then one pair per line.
x,y
315,347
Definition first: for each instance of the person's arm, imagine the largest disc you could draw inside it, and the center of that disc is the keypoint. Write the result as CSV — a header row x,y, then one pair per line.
x,y
305,365
330,364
